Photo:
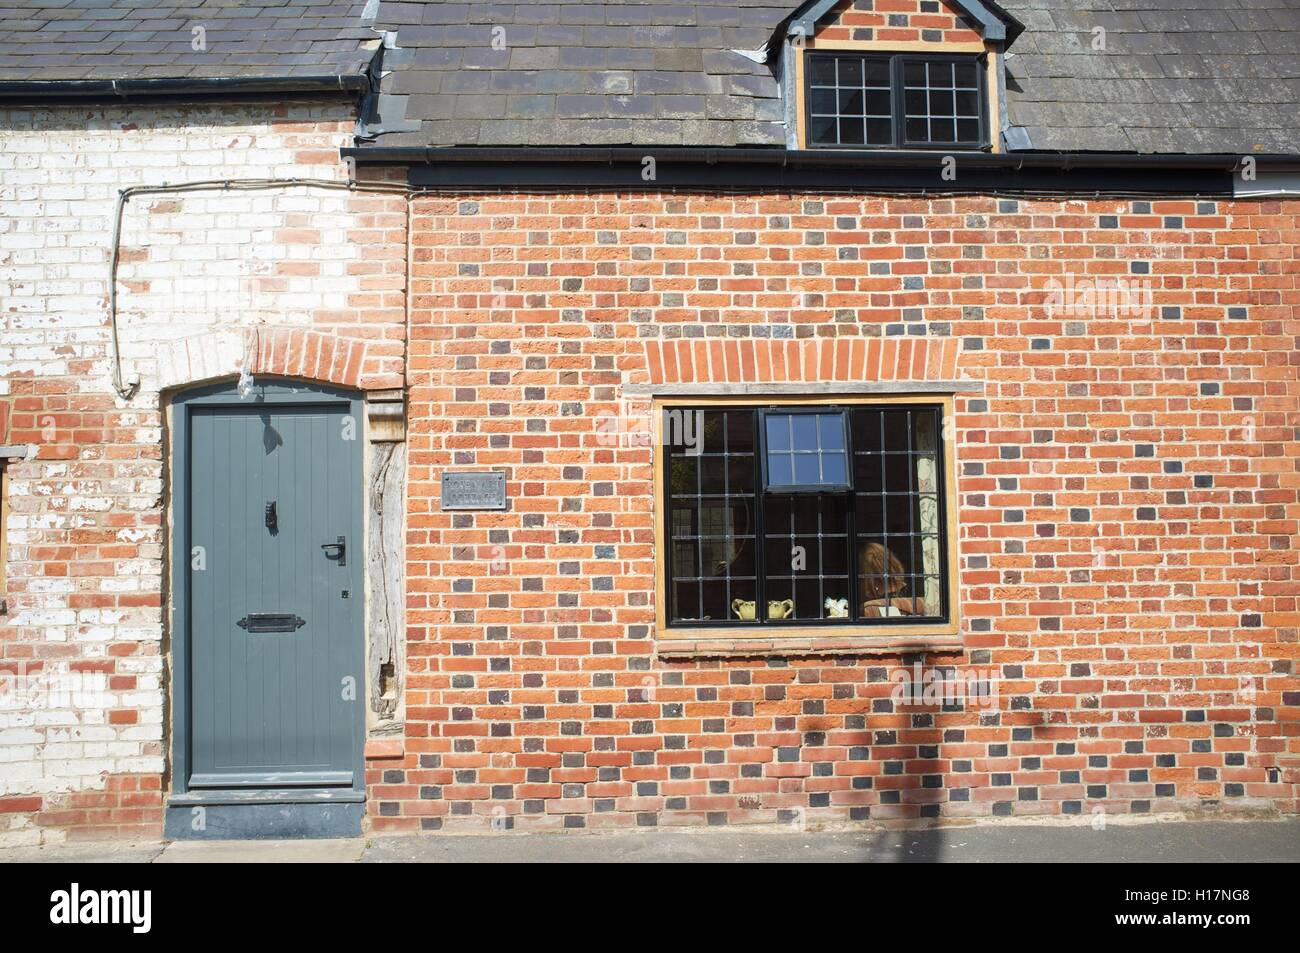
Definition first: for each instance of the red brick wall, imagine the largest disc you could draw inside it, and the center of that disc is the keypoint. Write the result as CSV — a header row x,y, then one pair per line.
x,y
1128,505
897,21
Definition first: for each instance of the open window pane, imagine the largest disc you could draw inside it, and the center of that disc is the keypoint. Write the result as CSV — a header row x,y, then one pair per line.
x,y
779,434
807,469
780,469
805,451
803,432
833,470
830,431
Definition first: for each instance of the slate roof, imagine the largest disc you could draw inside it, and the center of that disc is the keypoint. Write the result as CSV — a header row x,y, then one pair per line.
x,y
583,73
1176,75
140,39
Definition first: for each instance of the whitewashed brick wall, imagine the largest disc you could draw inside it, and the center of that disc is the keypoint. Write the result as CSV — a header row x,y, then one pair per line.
x,y
86,522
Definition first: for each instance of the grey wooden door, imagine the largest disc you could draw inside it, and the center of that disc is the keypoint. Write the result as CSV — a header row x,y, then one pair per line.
x,y
274,598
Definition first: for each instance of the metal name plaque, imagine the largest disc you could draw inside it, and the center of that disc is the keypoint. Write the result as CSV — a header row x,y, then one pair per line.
x,y
474,491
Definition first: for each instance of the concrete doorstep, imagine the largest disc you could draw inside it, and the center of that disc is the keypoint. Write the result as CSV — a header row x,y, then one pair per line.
x,y
1174,842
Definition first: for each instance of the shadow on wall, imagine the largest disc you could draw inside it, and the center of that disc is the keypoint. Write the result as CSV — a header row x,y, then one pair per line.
x,y
912,757
926,766
912,767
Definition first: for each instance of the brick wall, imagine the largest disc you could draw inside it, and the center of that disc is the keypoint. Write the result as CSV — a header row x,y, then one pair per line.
x,y
1127,483
1126,476
301,282
897,21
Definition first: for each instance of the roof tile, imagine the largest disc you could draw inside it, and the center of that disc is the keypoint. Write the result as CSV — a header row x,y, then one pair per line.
x,y
123,39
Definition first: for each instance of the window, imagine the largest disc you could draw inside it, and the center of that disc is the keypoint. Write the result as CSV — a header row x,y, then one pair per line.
x,y
790,516
901,100
804,451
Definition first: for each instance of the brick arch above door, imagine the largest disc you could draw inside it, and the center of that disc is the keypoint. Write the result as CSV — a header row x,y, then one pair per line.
x,y
302,353
815,360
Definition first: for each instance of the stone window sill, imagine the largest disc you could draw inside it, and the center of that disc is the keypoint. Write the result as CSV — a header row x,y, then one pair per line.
x,y
679,643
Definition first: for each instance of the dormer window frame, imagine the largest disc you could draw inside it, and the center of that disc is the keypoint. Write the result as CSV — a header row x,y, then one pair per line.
x,y
897,62
800,34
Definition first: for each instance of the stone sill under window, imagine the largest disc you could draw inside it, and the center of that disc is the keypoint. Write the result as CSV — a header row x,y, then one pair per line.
x,y
727,643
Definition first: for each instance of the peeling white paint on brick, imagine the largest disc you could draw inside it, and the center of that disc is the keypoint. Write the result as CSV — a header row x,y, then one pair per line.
x,y
201,263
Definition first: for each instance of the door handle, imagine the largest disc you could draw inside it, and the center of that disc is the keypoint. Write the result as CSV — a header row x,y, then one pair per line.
x,y
340,550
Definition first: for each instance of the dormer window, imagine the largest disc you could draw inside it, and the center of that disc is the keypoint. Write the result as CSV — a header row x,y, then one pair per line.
x,y
895,101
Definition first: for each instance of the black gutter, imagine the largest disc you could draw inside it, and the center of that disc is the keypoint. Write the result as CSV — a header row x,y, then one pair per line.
x,y
747,168
112,90
819,158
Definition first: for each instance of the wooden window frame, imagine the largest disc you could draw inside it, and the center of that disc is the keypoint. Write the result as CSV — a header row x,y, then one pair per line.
x,y
865,636
991,53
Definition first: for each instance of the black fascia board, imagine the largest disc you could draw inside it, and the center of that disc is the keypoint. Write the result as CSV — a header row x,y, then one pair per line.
x,y
623,167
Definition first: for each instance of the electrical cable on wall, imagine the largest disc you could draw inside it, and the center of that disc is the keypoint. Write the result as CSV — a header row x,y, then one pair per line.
x,y
126,390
